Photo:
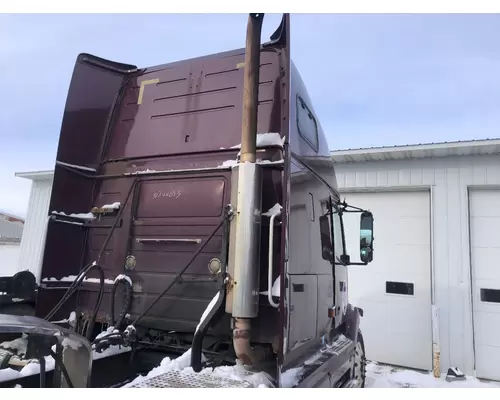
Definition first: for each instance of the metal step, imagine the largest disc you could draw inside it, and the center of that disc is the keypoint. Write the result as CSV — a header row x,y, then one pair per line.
x,y
339,345
353,383
180,379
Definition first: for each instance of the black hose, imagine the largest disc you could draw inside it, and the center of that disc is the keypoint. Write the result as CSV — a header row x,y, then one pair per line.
x,y
127,301
218,309
74,286
179,274
69,292
81,276
106,337
90,328
43,372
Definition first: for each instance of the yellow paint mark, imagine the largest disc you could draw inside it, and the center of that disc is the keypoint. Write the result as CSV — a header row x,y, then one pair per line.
x,y
141,90
240,65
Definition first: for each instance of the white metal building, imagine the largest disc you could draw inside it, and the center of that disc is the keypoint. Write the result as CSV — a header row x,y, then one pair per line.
x,y
36,220
436,209
11,230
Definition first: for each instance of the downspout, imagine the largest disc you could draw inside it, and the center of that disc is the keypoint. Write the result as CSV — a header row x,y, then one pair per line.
x,y
245,300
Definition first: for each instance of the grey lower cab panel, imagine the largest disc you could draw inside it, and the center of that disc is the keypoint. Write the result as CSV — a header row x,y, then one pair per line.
x,y
180,379
303,316
330,362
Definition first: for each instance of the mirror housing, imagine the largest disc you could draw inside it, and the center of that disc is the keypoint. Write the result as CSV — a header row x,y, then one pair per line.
x,y
366,237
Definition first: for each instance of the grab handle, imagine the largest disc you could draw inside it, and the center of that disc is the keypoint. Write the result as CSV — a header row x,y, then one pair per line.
x,y
153,240
270,261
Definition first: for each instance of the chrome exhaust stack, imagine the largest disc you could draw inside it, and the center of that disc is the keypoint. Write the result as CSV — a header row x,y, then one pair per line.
x,y
242,300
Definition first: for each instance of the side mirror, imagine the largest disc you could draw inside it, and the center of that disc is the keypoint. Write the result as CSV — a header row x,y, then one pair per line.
x,y
326,240
366,237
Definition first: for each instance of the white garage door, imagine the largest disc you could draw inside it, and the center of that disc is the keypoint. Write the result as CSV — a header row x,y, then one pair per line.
x,y
395,289
485,253
9,254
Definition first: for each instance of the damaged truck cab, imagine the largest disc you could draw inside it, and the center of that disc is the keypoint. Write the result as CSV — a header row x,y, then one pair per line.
x,y
195,208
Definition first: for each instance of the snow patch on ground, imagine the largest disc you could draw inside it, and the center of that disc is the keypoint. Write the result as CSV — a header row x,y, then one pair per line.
x,y
8,374
290,377
29,369
183,364
385,376
18,345
33,367
238,373
177,364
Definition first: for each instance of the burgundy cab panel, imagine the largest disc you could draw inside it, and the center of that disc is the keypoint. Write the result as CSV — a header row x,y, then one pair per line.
x,y
185,117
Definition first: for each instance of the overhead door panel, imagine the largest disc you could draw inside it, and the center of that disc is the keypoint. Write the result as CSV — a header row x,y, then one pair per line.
x,y
485,253
395,289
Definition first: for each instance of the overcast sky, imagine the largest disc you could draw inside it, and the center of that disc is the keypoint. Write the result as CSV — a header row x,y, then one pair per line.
x,y
375,80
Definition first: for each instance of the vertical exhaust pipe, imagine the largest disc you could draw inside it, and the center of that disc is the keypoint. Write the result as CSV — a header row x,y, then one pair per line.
x,y
246,223
251,88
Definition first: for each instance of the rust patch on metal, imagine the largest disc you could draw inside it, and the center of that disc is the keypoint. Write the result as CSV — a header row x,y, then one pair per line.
x,y
245,359
241,334
99,210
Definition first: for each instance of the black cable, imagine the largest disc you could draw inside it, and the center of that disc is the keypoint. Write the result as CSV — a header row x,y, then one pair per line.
x,y
69,292
127,298
90,328
81,276
74,286
42,372
106,337
179,274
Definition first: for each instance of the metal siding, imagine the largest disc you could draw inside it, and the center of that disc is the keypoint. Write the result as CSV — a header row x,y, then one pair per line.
x,y
9,254
449,179
10,230
35,225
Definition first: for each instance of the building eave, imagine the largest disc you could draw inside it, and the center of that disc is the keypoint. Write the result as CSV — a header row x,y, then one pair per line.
x,y
418,151
35,175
